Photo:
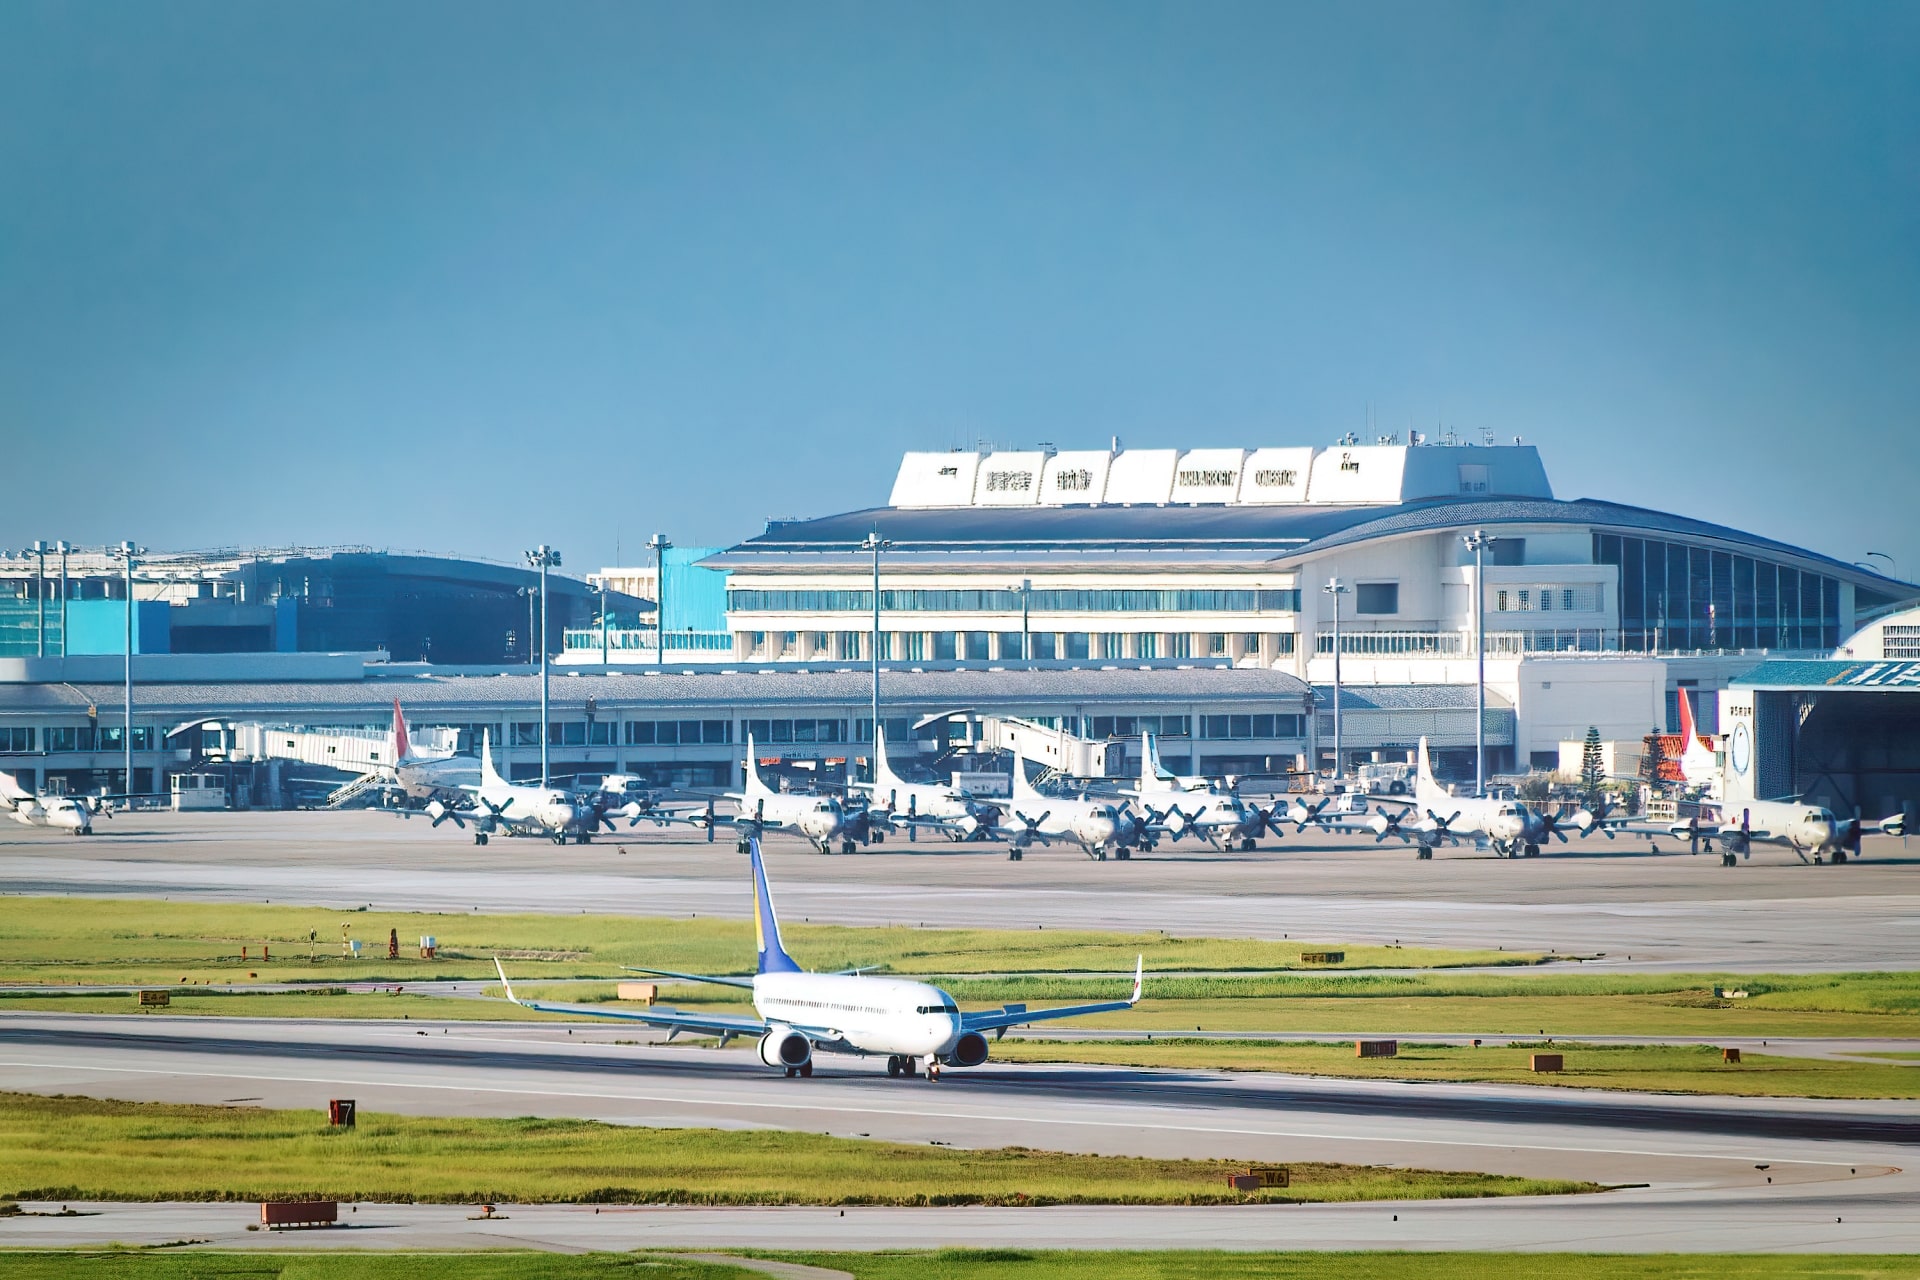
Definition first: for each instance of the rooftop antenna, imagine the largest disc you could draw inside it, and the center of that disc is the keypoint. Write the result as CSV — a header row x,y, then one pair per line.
x,y
1115,446
1487,436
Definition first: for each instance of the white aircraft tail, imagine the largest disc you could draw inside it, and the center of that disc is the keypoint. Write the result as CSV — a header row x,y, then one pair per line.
x,y
754,787
1425,789
10,792
885,780
489,776
1154,776
1697,764
1023,789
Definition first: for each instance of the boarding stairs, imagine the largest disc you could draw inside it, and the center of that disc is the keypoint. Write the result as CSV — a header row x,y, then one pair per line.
x,y
342,796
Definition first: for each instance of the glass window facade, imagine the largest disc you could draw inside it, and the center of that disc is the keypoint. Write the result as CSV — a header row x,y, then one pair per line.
x,y
1144,600
1673,596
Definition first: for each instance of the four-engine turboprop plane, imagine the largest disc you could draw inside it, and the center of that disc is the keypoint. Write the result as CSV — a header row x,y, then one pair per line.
x,y
1099,827
1810,830
916,1025
61,813
1178,805
1508,827
917,804
823,820
503,806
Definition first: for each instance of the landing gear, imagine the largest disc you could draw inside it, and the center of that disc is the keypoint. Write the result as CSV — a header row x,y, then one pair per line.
x,y
846,846
479,837
1015,855
1533,850
897,1065
1839,856
1247,845
1726,860
1124,855
1425,854
933,1071
585,837
739,846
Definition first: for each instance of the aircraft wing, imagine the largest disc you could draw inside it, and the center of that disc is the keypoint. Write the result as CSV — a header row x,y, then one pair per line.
x,y
711,1024
691,977
1018,1015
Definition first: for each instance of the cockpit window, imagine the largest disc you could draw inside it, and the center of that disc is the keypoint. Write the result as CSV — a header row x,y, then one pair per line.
x,y
937,1008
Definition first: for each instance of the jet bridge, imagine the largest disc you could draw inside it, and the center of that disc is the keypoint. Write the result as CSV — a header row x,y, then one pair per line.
x,y
1059,751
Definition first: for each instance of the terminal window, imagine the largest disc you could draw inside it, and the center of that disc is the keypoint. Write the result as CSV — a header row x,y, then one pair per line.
x,y
1377,598
16,738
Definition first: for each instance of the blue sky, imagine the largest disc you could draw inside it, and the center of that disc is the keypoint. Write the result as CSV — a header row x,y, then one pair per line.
x,y
473,276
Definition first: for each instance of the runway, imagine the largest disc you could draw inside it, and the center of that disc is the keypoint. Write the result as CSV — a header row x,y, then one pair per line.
x,y
1702,1157
1643,912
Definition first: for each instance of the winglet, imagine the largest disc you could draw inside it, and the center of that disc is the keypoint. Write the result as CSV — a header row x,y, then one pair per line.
x,y
1139,973
503,980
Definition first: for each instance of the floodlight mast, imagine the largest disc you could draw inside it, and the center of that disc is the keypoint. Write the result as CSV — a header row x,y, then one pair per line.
x,y
875,544
543,557
126,553
660,547
1478,541
1336,589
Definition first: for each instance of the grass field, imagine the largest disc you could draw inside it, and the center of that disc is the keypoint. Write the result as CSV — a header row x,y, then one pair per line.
x,y
145,941
966,1264
89,1149
1651,1068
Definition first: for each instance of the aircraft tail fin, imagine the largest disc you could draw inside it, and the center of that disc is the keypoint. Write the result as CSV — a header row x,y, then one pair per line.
x,y
402,749
751,781
766,925
884,778
1424,787
1697,764
1023,788
1153,774
10,790
489,776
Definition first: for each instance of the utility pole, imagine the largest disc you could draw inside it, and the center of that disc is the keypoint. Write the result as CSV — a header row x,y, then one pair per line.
x,y
603,621
543,558
1336,589
63,547
39,548
127,554
876,544
660,547
1478,542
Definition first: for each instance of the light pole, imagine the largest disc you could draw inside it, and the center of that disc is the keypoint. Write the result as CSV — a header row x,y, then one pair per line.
x,y
39,548
603,622
127,553
1336,589
63,547
660,547
529,593
876,544
1025,588
543,557
1478,541
1892,566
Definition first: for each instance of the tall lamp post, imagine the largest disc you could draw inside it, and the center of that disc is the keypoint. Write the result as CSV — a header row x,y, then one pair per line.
x,y
1025,588
603,621
543,557
1477,542
63,547
660,547
875,544
1336,589
127,553
39,548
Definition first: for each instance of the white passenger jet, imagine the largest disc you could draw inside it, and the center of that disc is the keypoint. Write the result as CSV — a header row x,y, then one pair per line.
x,y
917,804
916,1025
60,812
430,777
503,806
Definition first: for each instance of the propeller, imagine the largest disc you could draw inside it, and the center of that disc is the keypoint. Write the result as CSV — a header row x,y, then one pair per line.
x,y
913,815
1443,827
708,821
1692,830
1265,820
1386,824
1550,826
1300,815
441,813
1032,831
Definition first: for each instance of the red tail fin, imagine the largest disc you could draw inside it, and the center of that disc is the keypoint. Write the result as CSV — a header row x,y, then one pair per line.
x,y
1687,736
401,750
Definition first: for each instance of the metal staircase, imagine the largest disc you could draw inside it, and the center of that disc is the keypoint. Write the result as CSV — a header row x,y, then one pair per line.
x,y
342,796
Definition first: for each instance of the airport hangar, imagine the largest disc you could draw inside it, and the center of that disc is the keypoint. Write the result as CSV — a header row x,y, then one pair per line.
x,y
1596,613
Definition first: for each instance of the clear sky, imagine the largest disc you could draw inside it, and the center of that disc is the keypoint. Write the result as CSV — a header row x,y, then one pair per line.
x,y
472,276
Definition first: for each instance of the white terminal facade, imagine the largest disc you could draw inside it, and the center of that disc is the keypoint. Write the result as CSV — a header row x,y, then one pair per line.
x,y
1594,612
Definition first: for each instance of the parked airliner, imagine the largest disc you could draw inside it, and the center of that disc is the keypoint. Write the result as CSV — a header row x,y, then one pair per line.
x,y
62,813
501,805
915,1024
430,777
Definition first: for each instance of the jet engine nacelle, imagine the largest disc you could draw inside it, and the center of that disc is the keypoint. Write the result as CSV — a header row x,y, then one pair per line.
x,y
969,1051
785,1047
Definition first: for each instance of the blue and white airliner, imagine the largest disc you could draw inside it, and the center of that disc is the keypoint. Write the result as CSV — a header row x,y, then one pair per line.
x,y
917,1026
